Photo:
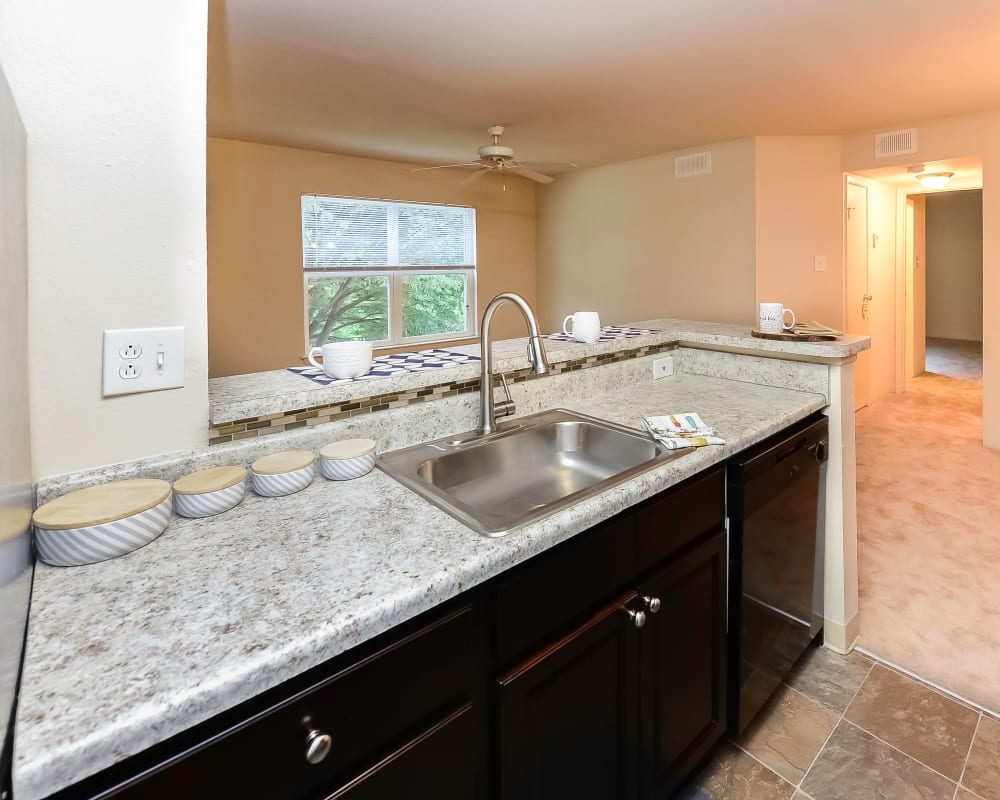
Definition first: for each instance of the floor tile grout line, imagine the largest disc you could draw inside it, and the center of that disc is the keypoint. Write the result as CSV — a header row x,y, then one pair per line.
x,y
900,751
782,778
965,763
954,696
819,752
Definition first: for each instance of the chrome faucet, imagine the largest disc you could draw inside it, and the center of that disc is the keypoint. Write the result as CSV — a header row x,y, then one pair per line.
x,y
489,410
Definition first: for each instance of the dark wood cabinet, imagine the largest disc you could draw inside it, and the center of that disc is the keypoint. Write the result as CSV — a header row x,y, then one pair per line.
x,y
567,716
411,713
595,670
682,662
437,763
625,702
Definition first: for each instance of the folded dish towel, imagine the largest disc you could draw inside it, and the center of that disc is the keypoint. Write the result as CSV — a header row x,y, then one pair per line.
x,y
677,431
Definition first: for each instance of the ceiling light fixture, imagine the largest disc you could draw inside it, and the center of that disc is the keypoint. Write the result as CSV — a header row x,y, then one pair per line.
x,y
935,180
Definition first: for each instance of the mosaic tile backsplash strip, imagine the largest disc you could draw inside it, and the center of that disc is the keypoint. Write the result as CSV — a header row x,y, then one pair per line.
x,y
387,366
316,415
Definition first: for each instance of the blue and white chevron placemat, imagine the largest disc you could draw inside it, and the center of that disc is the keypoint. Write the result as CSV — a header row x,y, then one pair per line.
x,y
608,333
384,366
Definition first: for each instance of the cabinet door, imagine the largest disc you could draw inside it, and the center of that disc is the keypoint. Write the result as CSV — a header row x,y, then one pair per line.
x,y
440,763
568,724
682,661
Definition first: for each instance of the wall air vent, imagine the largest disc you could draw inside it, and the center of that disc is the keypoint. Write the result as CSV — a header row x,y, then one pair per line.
x,y
896,143
693,164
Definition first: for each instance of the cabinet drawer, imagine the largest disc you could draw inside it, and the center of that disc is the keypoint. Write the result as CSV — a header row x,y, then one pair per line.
x,y
668,523
369,709
556,589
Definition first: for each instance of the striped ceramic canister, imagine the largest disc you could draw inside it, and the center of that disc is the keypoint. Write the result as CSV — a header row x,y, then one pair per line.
x,y
283,473
101,522
347,459
209,491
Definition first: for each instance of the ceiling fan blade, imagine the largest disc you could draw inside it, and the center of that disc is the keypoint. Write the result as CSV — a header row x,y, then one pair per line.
x,y
543,165
528,172
474,176
447,166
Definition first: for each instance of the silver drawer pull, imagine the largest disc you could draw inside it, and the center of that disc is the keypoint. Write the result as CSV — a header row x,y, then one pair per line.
x,y
652,604
318,746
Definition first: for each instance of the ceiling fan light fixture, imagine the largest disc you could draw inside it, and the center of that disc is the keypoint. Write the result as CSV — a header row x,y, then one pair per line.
x,y
935,180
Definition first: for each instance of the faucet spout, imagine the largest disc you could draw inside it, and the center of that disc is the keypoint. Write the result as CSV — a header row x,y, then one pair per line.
x,y
536,356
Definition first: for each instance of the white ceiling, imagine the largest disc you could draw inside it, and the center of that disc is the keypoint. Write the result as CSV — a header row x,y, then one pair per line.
x,y
590,81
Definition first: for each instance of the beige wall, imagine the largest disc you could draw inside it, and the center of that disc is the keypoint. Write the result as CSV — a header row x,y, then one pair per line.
x,y
799,208
955,265
952,137
112,94
255,282
632,242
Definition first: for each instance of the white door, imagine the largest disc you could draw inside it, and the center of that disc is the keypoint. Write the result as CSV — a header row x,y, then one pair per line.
x,y
856,283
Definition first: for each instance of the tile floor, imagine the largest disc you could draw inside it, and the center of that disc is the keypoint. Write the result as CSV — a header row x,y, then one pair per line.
x,y
848,727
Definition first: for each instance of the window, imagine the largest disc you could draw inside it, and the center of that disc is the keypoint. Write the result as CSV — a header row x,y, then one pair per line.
x,y
391,273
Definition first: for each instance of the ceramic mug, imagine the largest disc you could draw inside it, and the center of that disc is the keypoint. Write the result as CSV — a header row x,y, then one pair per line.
x,y
772,318
343,359
584,326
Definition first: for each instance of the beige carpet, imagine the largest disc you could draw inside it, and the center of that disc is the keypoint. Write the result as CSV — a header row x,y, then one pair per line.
x,y
929,528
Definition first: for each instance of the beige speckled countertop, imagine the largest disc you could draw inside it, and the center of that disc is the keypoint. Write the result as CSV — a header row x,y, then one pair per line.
x,y
279,391
123,654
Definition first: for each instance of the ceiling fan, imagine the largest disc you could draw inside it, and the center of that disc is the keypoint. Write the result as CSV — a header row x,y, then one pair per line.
x,y
498,158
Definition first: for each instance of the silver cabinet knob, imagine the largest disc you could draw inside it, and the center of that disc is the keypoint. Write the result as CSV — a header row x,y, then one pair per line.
x,y
638,617
317,746
652,604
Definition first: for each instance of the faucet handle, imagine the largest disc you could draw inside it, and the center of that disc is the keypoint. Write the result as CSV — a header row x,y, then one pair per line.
x,y
505,408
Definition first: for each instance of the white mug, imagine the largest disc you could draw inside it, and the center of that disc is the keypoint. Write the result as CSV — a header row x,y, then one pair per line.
x,y
343,359
584,326
772,318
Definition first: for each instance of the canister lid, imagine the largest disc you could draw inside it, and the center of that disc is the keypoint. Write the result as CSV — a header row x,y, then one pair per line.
x,y
280,463
213,479
97,505
348,448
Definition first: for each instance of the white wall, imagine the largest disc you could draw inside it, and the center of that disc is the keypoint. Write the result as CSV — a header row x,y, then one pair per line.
x,y
632,242
954,265
799,215
112,94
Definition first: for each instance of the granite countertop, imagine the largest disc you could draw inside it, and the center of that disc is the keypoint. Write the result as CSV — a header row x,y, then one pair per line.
x,y
278,391
124,654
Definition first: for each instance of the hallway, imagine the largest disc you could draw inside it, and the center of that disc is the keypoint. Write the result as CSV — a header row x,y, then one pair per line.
x,y
929,527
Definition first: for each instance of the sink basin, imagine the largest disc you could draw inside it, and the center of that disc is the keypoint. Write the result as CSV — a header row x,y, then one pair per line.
x,y
530,468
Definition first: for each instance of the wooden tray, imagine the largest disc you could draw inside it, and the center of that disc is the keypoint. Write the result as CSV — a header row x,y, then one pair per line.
x,y
795,337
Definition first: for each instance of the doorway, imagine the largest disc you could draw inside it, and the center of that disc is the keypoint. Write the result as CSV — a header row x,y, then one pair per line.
x,y
953,303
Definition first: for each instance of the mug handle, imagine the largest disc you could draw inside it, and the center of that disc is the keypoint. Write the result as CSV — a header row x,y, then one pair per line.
x,y
566,330
783,325
312,360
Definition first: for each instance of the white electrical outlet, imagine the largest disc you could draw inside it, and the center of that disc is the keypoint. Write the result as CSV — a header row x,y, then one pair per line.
x,y
663,367
143,360
819,263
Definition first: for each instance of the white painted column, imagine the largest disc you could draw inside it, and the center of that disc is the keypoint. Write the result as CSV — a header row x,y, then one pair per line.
x,y
841,622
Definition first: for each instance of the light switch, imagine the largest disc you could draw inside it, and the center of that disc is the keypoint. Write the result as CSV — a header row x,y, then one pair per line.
x,y
819,263
143,360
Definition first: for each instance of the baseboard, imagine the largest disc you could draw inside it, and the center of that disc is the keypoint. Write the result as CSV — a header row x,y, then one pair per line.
x,y
841,638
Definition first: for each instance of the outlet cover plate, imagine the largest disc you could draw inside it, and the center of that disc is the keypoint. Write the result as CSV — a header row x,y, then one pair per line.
x,y
154,356
663,367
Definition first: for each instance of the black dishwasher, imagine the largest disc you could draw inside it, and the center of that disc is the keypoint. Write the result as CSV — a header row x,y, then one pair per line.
x,y
775,512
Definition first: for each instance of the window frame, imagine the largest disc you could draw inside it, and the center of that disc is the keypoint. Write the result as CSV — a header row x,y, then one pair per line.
x,y
396,274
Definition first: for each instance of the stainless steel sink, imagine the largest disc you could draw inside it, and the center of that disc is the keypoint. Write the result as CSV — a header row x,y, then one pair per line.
x,y
528,469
